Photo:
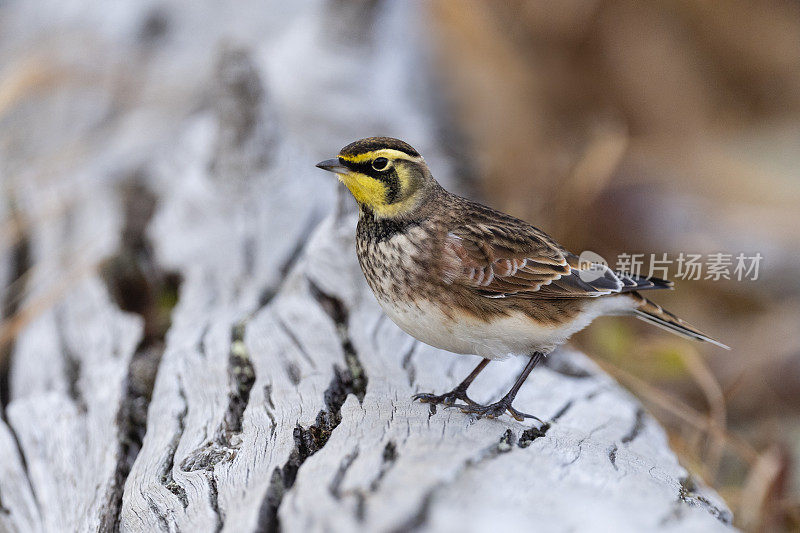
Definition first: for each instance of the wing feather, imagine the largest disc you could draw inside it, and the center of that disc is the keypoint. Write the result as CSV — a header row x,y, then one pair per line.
x,y
498,261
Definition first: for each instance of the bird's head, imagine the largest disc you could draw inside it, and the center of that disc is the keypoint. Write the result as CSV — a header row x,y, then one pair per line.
x,y
387,177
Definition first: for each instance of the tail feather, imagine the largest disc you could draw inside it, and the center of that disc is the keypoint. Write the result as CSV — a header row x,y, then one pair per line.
x,y
658,316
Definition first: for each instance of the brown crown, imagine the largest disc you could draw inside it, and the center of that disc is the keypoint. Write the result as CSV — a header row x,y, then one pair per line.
x,y
371,144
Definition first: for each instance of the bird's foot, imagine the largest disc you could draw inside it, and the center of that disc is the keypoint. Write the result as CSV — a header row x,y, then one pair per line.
x,y
494,410
446,399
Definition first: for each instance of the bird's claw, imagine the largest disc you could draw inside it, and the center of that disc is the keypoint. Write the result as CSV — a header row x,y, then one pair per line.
x,y
447,399
494,410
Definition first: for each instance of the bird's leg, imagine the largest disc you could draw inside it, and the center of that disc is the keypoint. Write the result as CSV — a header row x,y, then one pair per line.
x,y
459,393
498,408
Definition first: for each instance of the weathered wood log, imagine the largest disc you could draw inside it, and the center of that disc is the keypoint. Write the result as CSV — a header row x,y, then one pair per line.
x,y
210,358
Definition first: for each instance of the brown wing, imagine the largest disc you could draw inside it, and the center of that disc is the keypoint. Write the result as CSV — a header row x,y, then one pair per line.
x,y
498,261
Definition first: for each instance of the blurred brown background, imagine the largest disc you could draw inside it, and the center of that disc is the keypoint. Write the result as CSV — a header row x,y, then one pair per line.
x,y
651,127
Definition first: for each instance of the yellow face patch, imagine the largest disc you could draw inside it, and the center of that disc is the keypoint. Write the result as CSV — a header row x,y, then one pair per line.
x,y
392,190
365,190
373,193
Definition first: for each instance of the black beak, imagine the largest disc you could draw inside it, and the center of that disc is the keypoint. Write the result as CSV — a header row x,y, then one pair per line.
x,y
332,165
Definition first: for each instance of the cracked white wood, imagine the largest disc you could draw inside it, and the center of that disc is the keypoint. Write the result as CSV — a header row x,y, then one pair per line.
x,y
259,418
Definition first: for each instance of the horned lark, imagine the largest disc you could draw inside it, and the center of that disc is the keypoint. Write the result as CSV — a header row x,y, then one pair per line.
x,y
468,279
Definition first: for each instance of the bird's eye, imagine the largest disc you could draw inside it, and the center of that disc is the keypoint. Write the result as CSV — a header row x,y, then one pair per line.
x,y
380,163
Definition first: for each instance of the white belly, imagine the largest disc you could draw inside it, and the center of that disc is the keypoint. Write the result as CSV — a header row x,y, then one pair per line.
x,y
514,334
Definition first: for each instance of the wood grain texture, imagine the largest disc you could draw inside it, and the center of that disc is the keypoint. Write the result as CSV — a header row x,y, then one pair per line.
x,y
206,355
